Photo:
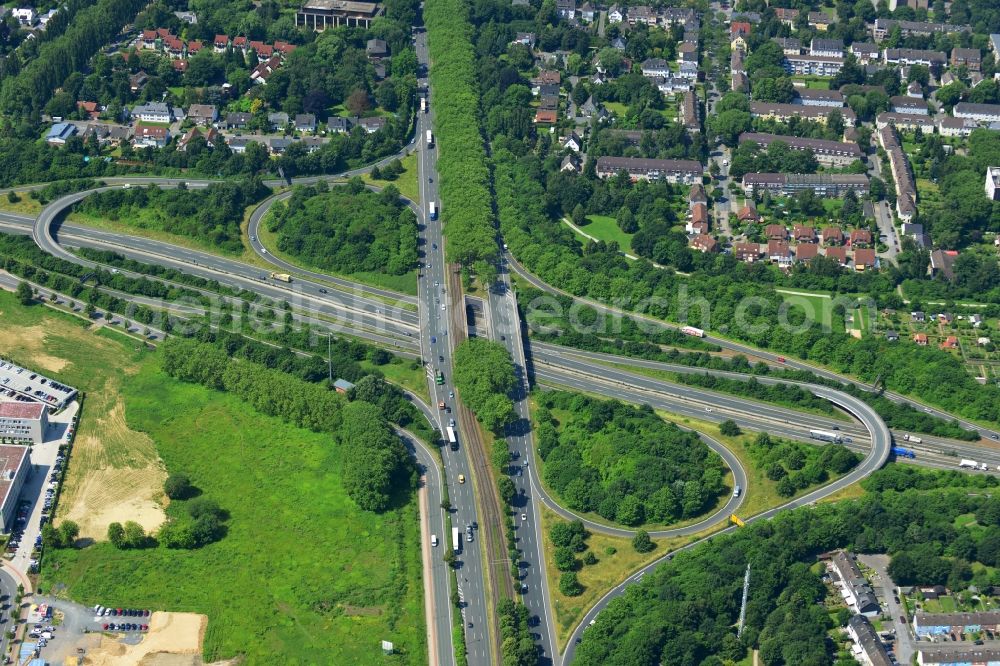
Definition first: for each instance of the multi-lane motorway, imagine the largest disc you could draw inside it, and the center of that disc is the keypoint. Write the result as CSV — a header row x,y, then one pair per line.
x,y
430,331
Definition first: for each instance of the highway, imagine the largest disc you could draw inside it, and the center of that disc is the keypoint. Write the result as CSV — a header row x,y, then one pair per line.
x,y
436,349
389,318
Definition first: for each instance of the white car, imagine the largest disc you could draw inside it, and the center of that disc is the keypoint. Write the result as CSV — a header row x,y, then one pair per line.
x,y
434,540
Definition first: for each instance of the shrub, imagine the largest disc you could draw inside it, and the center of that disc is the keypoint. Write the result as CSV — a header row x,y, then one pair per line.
x,y
642,543
177,486
569,585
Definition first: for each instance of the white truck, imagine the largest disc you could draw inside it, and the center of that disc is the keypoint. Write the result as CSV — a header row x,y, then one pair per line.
x,y
971,464
456,540
912,439
430,139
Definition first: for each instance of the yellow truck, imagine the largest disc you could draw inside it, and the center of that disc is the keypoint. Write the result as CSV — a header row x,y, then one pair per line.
x,y
284,277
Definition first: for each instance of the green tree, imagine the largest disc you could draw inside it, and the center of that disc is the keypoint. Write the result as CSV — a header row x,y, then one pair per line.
x,y
569,585
729,428
24,293
642,543
177,486
116,535
68,533
135,535
565,559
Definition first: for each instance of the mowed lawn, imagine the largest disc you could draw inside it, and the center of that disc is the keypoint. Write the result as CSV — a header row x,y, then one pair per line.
x,y
302,577
605,228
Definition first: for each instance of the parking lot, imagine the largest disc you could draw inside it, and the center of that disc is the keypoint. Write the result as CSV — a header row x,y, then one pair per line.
x,y
61,629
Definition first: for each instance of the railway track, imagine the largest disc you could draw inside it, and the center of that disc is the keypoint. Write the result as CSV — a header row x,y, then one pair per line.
x,y
491,512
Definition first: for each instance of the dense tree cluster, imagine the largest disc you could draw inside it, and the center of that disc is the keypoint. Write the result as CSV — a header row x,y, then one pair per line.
x,y
515,635
271,392
347,229
212,215
25,93
777,157
624,462
377,465
796,466
684,611
484,375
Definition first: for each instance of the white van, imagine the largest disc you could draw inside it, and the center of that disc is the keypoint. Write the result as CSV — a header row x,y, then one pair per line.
x,y
434,540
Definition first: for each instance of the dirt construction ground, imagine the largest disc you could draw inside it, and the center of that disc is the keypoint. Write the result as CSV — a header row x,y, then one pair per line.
x,y
174,639
114,473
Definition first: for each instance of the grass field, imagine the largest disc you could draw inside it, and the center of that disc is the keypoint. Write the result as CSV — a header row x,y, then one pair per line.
x,y
317,580
605,228
814,82
404,284
26,206
815,304
597,579
115,473
406,183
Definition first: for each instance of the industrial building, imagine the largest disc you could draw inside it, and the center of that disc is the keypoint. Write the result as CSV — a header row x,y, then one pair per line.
x,y
319,15
23,422
14,466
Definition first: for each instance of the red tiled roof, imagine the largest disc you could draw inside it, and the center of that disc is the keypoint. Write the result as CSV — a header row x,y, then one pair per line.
x,y
221,40
22,410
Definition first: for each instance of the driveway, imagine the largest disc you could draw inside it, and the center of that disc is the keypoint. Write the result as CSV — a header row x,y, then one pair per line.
x,y
905,644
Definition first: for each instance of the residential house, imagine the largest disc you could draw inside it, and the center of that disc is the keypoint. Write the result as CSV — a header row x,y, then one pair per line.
x,y
786,16
950,342
277,120
748,213
566,8
703,243
822,184
854,587
305,122
859,238
689,112
864,259
950,126
920,339
803,234
943,263
785,112
832,236
697,194
820,21
866,52
740,83
918,317
203,114
91,109
26,16
789,45
833,48
915,90
150,136
739,28
907,104
586,12
891,336
747,252
813,97
813,65
699,219
263,71
656,67
906,121
776,232
805,252
546,117
882,28
948,656
687,52
376,48
829,153
573,142
570,163
238,120
209,135
993,183
616,14
673,171
779,252
372,124
220,43
137,81
932,59
868,647
153,112
981,113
